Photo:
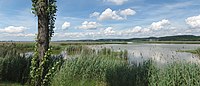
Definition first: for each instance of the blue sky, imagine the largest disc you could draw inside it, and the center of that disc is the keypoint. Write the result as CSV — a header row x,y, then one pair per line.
x,y
97,19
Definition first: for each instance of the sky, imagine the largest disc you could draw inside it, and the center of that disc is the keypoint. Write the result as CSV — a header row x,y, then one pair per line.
x,y
103,19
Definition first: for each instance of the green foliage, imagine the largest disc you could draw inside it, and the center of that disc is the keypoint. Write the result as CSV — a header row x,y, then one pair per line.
x,y
41,69
21,48
44,70
50,11
95,68
65,43
90,69
13,66
178,74
197,52
74,50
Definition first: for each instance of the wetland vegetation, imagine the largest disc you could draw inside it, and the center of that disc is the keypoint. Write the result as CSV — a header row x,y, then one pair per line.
x,y
96,67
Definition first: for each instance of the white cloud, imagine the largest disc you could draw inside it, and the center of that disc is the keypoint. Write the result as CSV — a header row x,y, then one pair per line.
x,y
89,25
160,24
160,28
66,25
95,14
136,29
109,31
18,34
13,29
110,14
127,12
146,30
117,2
193,22
24,35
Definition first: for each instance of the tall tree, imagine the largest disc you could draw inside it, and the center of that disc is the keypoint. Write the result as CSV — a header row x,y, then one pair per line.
x,y
45,11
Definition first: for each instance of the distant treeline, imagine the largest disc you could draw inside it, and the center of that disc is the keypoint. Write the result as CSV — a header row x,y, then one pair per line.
x,y
122,41
165,38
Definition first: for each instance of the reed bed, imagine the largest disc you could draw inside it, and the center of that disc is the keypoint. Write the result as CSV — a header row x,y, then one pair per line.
x,y
109,68
103,67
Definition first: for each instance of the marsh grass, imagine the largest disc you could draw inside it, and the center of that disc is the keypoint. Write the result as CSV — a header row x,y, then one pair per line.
x,y
178,74
88,71
100,68
104,68
197,51
13,66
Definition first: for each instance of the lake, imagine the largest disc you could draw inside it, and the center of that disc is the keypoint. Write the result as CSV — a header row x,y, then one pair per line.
x,y
161,53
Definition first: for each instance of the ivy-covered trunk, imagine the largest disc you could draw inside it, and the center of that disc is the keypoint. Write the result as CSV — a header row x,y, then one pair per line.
x,y
42,38
41,69
43,33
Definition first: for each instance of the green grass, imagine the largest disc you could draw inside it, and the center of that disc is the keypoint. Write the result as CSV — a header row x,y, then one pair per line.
x,y
90,71
197,51
23,47
177,74
172,42
102,68
10,84
86,43
13,66
188,51
107,69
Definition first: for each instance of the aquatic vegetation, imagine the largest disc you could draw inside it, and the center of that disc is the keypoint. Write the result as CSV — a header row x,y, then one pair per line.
x,y
13,66
93,69
103,67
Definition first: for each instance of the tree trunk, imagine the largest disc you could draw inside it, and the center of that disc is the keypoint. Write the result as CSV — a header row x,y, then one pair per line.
x,y
43,30
43,35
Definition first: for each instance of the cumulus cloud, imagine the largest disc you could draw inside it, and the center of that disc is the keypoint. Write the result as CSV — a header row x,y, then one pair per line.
x,y
66,25
89,25
136,29
127,12
146,30
160,24
24,35
95,14
193,22
116,2
13,29
109,31
110,14
154,29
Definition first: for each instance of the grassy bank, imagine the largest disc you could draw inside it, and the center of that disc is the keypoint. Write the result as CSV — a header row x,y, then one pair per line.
x,y
57,47
172,42
197,51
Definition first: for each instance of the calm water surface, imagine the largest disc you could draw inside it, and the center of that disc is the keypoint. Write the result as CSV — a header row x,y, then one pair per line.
x,y
161,53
